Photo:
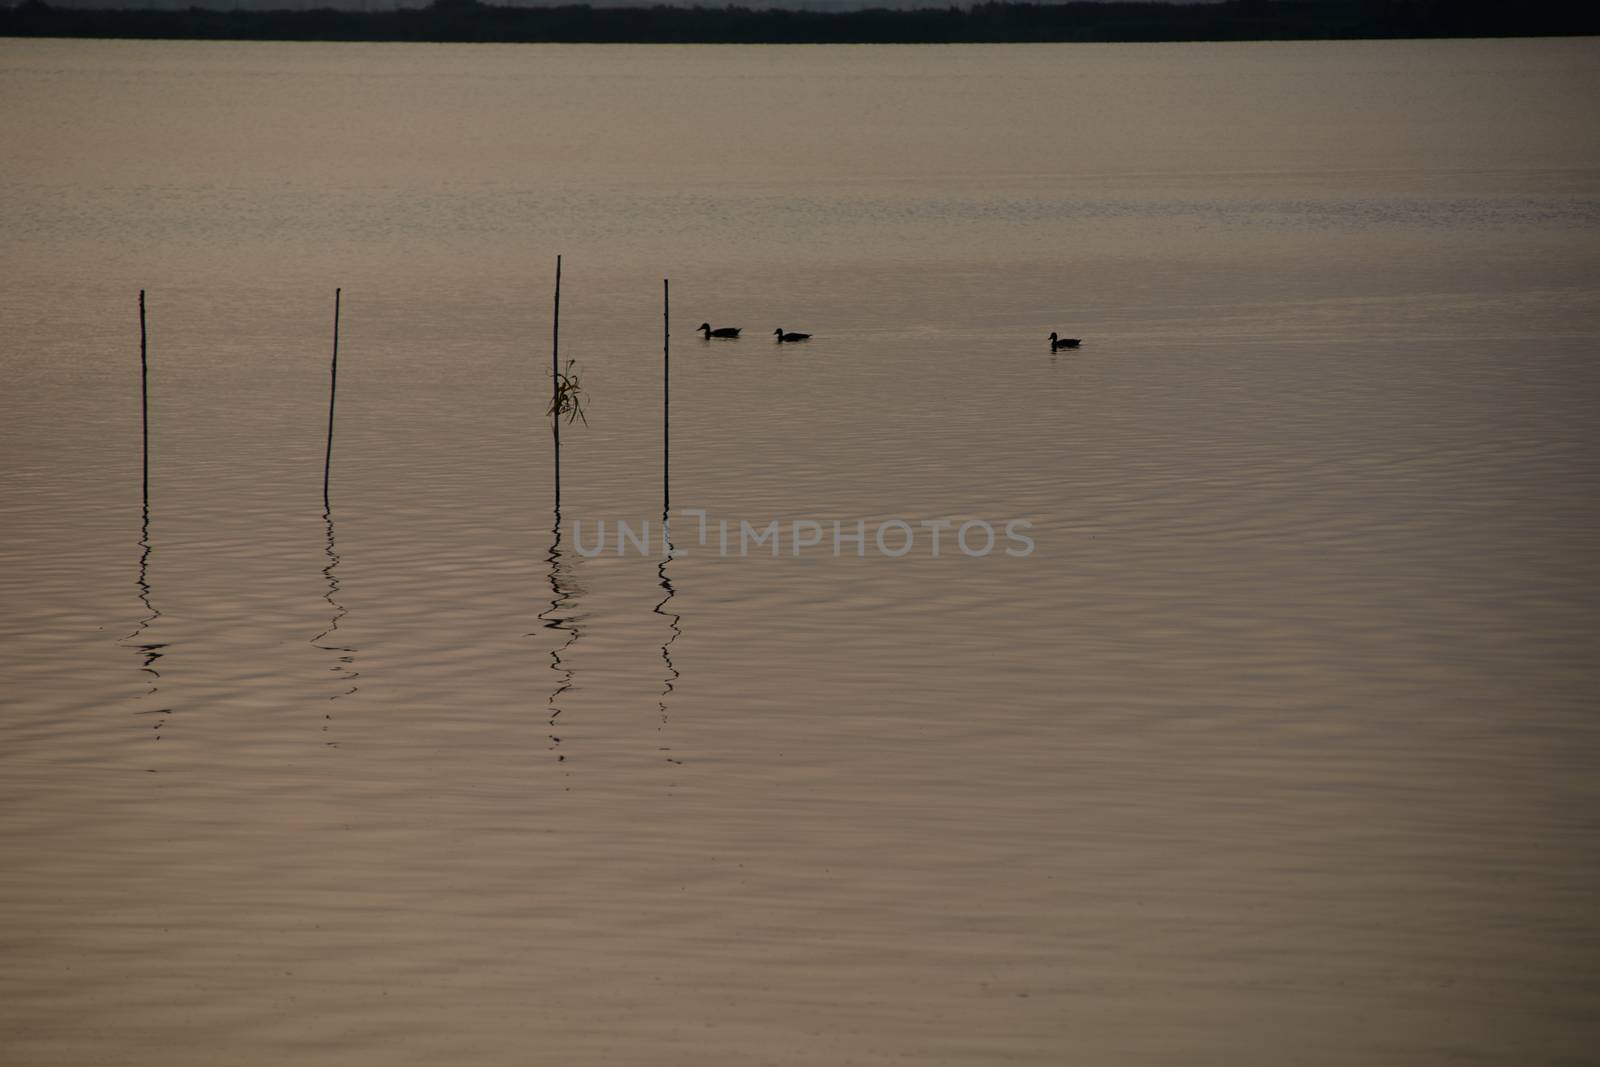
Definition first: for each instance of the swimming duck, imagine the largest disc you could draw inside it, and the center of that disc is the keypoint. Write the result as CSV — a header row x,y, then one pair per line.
x,y
782,337
726,331
1064,342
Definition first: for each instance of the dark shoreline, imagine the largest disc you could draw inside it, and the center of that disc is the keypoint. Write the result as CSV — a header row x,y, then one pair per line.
x,y
468,21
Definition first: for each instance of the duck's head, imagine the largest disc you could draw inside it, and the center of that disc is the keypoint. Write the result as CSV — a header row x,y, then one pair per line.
x,y
706,326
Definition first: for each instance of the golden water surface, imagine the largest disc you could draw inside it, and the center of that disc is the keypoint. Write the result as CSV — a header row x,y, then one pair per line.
x,y
1278,748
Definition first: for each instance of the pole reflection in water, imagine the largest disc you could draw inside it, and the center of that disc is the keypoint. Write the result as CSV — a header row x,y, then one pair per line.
x,y
560,615
345,655
670,681
150,652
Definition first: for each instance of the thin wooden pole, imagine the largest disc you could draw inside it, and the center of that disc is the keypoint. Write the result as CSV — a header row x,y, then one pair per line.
x,y
333,386
144,401
555,381
666,398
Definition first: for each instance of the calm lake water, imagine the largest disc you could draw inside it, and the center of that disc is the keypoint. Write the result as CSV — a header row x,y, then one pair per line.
x,y
1278,748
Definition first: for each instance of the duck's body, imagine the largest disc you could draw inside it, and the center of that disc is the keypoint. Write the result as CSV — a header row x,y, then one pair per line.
x,y
724,332
790,337
1064,342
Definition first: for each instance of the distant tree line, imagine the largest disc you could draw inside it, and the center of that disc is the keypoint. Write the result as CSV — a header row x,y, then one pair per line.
x,y
471,21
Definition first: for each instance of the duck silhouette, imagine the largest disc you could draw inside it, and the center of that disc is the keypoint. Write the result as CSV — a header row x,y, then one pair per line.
x,y
1064,342
726,331
790,337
